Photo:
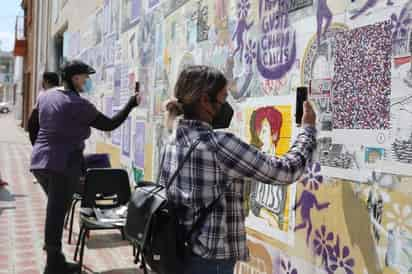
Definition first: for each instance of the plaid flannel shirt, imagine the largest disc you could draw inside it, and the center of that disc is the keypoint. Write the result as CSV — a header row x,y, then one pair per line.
x,y
219,164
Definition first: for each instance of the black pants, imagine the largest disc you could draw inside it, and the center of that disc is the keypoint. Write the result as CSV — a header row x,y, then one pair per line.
x,y
59,189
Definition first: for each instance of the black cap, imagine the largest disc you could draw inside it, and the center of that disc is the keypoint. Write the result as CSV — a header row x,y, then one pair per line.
x,y
76,67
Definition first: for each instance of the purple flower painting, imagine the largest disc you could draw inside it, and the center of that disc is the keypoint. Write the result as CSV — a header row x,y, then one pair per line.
x,y
250,54
340,259
287,267
312,177
323,244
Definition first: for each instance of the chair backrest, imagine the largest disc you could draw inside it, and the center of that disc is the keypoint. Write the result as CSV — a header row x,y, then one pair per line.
x,y
97,160
106,188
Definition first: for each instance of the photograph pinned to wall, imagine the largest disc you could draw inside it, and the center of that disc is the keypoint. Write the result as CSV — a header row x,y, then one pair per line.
x,y
172,5
108,107
373,155
109,50
139,144
153,3
131,12
106,17
132,48
117,133
146,39
115,18
362,78
202,21
160,96
108,76
320,96
126,135
341,160
144,80
295,5
401,33
119,56
191,33
159,62
125,91
117,81
159,139
98,27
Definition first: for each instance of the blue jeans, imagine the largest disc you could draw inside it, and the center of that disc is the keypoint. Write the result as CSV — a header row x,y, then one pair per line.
x,y
198,265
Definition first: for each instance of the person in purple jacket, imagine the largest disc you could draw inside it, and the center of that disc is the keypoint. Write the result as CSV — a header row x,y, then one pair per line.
x,y
65,120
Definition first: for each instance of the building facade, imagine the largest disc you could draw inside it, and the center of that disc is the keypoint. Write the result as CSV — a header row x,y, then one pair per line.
x,y
351,211
6,77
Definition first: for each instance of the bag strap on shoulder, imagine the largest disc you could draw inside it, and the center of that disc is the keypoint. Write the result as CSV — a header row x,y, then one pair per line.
x,y
181,164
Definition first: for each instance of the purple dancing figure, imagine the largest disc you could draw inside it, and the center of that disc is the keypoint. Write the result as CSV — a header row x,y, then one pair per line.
x,y
242,26
323,13
306,202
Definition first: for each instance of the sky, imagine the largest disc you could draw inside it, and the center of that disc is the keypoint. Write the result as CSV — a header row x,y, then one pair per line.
x,y
8,12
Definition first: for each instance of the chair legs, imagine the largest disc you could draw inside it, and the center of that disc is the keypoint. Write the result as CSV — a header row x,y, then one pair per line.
x,y
73,208
123,234
81,241
82,249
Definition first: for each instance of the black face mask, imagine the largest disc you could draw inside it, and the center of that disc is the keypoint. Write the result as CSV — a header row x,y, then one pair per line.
x,y
224,117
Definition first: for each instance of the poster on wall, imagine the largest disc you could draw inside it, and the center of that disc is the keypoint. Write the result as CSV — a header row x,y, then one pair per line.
x,y
295,5
172,5
117,133
98,27
126,135
109,50
131,12
117,85
139,144
269,127
362,78
108,108
153,3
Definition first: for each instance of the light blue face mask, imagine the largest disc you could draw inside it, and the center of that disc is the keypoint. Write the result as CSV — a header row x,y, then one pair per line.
x,y
88,86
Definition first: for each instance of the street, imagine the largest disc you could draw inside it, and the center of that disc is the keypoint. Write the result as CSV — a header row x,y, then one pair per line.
x,y
22,216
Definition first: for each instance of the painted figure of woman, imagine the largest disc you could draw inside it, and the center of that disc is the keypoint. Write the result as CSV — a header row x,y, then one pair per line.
x,y
267,201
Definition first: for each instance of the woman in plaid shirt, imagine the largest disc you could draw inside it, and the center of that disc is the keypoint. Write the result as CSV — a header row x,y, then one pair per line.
x,y
219,165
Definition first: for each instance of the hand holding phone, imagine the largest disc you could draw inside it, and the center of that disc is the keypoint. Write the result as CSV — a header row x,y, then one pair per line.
x,y
301,97
137,93
305,113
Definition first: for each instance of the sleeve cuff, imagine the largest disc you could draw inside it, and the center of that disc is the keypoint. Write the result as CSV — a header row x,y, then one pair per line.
x,y
309,129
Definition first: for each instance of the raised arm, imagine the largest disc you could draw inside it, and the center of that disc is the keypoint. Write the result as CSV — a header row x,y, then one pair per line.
x,y
105,123
242,160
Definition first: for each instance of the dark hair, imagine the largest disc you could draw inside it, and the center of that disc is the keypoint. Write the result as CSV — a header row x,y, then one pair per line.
x,y
194,81
51,78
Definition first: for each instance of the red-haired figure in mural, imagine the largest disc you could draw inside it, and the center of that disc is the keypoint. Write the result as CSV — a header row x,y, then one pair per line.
x,y
267,201
265,125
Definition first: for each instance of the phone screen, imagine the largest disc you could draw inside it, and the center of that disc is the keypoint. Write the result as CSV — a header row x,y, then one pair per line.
x,y
137,87
301,97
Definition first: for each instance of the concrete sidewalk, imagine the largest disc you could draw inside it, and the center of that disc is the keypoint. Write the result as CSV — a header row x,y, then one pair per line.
x,y
22,211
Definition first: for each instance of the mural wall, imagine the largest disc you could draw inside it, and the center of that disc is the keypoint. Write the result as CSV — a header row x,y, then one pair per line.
x,y
351,212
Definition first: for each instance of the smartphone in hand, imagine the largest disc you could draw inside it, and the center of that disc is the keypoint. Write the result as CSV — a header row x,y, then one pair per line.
x,y
301,97
137,87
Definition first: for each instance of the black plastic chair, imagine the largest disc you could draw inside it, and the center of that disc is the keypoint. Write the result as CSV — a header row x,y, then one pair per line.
x,y
91,161
103,189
